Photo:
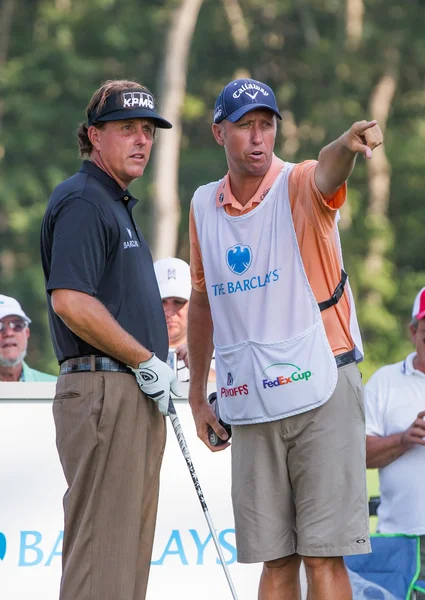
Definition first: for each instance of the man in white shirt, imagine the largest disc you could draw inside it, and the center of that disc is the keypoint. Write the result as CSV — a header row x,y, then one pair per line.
x,y
395,435
173,276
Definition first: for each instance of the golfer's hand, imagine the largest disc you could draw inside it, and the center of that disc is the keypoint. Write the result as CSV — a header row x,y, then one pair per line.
x,y
203,416
156,380
416,432
363,137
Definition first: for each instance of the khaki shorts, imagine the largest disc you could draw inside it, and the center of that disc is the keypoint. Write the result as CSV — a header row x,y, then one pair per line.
x,y
299,484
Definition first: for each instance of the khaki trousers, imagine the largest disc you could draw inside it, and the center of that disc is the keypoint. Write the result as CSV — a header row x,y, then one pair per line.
x,y
110,440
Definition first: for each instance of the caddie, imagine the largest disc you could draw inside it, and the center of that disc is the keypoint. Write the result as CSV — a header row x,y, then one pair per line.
x,y
270,294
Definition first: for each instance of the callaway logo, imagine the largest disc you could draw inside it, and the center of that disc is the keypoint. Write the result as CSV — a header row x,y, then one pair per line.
x,y
239,258
141,99
148,376
249,86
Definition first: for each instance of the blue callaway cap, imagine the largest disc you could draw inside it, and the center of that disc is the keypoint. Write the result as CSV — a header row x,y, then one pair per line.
x,y
241,96
130,104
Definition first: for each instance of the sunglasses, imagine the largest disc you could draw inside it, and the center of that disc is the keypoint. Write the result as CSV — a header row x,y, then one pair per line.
x,y
14,325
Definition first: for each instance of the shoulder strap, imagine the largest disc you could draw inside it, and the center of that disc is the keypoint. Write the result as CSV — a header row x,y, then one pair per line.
x,y
339,290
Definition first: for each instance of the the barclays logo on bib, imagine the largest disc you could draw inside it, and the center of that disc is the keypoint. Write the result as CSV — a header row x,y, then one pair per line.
x,y
239,258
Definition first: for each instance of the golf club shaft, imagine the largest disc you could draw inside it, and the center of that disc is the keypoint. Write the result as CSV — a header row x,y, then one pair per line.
x,y
185,450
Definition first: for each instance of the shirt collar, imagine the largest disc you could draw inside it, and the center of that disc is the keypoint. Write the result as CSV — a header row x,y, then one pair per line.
x,y
224,194
106,180
24,369
408,368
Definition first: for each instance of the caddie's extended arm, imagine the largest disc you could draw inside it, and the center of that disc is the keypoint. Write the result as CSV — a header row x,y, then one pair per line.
x,y
199,341
337,159
92,322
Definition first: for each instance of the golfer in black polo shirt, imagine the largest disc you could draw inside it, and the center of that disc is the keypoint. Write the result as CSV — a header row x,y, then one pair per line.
x,y
110,338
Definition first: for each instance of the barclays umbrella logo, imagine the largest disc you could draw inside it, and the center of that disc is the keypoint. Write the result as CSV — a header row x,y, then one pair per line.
x,y
2,546
239,258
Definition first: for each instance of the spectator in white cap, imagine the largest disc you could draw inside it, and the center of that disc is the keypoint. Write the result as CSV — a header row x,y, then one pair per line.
x,y
14,335
173,276
395,436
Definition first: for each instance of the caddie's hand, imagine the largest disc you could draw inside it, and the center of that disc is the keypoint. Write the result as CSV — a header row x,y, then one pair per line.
x,y
183,354
363,137
156,379
416,432
203,416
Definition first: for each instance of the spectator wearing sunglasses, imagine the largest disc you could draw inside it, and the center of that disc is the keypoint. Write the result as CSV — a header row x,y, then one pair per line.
x,y
14,335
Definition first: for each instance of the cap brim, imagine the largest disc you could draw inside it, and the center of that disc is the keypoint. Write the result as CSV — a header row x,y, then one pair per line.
x,y
16,313
135,113
420,315
240,112
168,290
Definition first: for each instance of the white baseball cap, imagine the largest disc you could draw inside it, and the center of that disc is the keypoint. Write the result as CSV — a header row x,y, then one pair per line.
x,y
9,306
418,311
173,276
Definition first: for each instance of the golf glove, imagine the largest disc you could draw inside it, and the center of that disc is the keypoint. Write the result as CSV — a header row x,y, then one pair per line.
x,y
156,380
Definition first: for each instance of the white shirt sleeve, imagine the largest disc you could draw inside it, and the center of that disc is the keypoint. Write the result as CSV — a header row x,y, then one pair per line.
x,y
374,410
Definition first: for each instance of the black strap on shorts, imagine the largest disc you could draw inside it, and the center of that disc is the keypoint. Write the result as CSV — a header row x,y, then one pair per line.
x,y
339,290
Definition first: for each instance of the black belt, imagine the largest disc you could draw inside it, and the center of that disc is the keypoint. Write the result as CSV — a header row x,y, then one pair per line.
x,y
342,360
92,363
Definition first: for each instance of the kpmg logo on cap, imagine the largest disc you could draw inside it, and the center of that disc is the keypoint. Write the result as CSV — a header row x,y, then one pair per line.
x,y
139,99
239,258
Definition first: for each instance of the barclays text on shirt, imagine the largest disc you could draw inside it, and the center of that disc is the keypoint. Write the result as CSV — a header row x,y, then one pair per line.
x,y
246,285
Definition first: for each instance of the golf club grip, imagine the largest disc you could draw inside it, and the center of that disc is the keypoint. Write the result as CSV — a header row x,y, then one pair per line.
x,y
185,450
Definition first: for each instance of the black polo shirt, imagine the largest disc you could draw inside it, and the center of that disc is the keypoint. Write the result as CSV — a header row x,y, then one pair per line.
x,y
91,243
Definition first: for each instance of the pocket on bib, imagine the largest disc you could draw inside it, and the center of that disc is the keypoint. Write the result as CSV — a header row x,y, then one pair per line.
x,y
263,382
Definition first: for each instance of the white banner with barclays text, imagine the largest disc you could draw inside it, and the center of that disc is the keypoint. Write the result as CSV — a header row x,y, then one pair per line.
x,y
184,560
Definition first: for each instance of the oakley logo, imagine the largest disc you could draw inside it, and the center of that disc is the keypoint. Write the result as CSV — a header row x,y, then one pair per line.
x,y
148,376
140,99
